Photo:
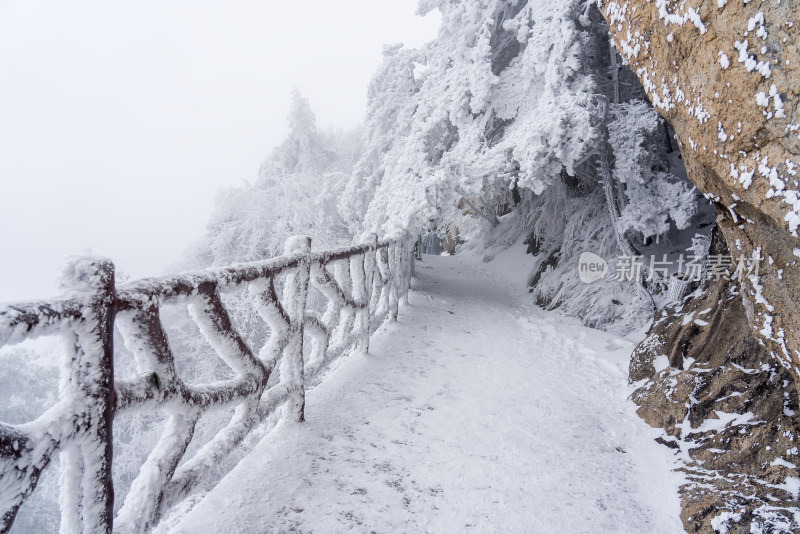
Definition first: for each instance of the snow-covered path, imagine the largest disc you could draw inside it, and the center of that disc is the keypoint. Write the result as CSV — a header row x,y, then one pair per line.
x,y
473,413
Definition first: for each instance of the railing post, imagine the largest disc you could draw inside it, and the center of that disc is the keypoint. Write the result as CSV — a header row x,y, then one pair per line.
x,y
408,260
364,288
295,291
412,258
395,277
373,283
87,490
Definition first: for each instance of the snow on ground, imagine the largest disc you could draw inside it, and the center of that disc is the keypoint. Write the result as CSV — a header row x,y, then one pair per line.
x,y
473,413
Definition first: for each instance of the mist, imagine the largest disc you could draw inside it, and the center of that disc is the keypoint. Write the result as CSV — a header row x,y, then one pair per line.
x,y
120,121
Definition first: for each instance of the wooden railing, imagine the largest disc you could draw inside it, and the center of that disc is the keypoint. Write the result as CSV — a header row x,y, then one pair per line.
x,y
362,284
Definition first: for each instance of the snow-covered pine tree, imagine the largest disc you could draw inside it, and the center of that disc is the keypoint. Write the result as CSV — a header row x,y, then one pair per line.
x,y
292,195
511,96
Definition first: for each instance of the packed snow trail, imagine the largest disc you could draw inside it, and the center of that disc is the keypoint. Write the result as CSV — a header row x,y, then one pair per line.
x,y
473,413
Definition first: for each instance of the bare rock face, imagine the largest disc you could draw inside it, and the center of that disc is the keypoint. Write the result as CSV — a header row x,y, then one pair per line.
x,y
720,371
728,408
726,75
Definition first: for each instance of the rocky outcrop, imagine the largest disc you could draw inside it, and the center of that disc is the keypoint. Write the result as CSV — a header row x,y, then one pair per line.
x,y
720,371
727,407
726,75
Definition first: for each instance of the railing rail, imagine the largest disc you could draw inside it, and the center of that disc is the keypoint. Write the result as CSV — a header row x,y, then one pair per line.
x,y
362,284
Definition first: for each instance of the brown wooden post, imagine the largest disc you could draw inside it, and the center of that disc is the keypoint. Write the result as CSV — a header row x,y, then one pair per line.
x,y
364,292
394,264
90,381
407,252
295,294
412,252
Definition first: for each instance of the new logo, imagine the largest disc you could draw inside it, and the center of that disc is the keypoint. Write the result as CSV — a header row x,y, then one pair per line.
x,y
591,267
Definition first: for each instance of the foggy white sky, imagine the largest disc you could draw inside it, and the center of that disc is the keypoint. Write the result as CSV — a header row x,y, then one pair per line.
x,y
120,120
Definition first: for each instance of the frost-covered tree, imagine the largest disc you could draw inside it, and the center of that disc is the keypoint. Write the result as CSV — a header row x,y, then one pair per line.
x,y
292,195
305,150
295,193
653,196
490,99
521,106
